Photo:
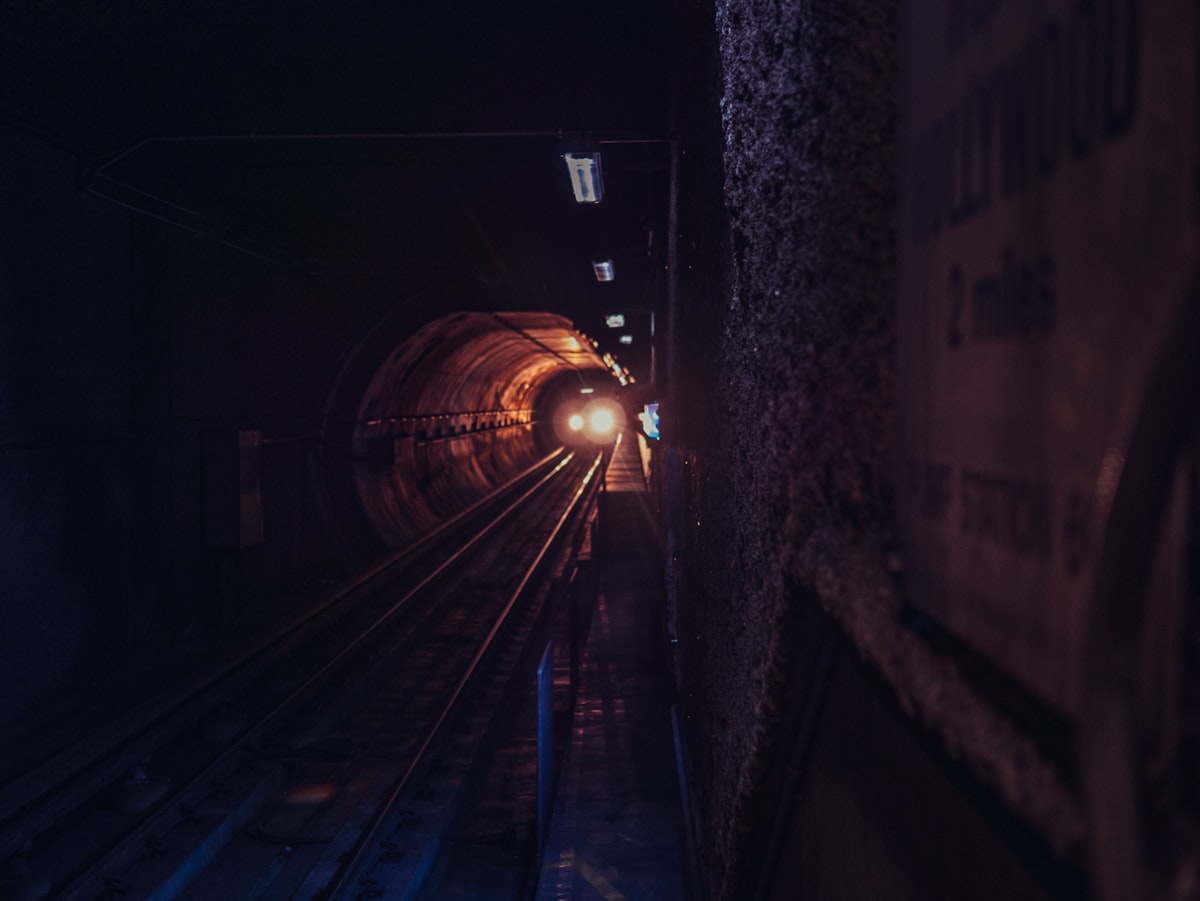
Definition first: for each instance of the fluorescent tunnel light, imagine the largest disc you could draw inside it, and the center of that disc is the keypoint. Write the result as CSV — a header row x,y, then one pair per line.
x,y
585,176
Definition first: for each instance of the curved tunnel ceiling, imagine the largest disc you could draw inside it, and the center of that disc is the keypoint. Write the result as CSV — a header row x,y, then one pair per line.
x,y
452,412
471,362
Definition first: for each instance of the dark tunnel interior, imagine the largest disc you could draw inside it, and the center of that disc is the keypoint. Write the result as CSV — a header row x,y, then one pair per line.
x,y
461,406
284,287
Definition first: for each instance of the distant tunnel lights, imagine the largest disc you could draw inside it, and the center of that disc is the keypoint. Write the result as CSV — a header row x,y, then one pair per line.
x,y
586,181
575,422
603,270
615,320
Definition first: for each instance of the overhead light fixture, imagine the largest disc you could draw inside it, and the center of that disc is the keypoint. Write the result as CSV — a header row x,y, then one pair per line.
x,y
626,339
586,182
615,320
603,270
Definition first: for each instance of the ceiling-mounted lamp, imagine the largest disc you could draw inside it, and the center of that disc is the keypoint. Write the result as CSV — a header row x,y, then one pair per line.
x,y
603,270
586,181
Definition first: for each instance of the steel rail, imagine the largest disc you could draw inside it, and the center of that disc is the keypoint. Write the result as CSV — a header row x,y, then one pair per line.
x,y
43,795
371,833
91,874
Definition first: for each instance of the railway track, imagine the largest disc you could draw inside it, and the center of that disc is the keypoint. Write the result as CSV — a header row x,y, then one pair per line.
x,y
323,765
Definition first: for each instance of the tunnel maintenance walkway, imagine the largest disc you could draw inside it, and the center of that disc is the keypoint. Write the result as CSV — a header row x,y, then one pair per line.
x,y
616,830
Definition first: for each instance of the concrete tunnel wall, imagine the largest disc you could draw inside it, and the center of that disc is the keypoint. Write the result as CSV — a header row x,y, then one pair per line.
x,y
841,747
456,410
804,700
133,355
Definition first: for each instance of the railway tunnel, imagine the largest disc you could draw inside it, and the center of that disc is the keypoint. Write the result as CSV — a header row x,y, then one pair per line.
x,y
279,293
460,406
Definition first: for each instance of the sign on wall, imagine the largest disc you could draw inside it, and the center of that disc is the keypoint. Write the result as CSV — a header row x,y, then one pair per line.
x,y
1047,237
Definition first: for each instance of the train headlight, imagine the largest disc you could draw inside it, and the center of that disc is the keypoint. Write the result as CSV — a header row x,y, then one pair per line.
x,y
602,421
598,421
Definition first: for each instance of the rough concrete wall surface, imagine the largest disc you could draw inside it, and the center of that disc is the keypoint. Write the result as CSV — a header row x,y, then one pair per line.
x,y
808,118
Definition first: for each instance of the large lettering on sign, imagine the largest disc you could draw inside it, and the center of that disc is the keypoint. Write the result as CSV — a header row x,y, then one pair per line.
x,y
1048,237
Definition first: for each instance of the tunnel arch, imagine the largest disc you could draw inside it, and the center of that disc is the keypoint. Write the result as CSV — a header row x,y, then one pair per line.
x,y
451,411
